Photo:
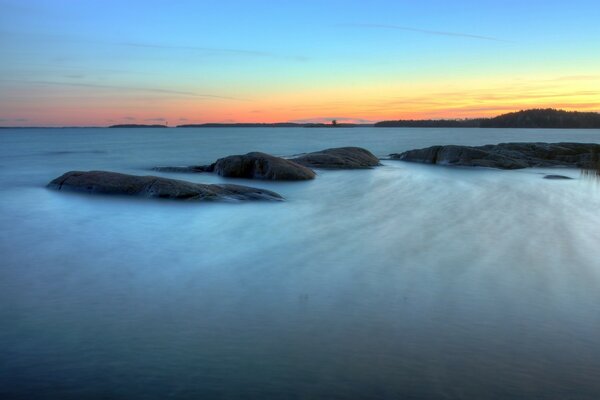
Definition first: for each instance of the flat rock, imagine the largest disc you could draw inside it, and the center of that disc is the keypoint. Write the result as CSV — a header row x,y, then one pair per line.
x,y
339,158
506,155
257,165
105,182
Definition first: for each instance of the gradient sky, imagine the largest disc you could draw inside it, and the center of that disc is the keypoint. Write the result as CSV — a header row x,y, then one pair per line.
x,y
84,62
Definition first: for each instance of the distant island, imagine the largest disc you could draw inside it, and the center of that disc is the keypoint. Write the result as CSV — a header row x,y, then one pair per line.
x,y
535,118
52,127
430,123
138,126
272,125
547,118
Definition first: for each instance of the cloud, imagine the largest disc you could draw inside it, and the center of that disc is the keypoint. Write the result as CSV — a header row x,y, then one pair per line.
x,y
197,48
129,118
132,88
155,119
14,119
425,31
211,50
577,78
215,51
183,119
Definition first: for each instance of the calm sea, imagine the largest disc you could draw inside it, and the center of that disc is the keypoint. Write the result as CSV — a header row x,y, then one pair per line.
x,y
405,281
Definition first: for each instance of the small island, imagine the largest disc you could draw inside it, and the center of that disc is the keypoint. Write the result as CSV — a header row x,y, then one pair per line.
x,y
333,124
138,126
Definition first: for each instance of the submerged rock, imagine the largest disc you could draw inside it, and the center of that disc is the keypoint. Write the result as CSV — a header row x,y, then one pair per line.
x,y
506,155
257,165
339,158
199,168
105,182
557,177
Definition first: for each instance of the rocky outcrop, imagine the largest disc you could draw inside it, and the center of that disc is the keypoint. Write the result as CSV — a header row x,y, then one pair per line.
x,y
104,182
257,165
253,165
557,177
506,155
339,158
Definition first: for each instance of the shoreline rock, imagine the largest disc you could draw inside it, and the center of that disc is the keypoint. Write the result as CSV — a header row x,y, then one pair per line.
x,y
505,155
339,158
106,182
254,165
258,165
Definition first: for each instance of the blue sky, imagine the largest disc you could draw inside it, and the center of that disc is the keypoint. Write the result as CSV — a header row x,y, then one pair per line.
x,y
92,62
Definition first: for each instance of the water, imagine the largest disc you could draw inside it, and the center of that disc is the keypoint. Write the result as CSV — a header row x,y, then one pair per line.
x,y
405,281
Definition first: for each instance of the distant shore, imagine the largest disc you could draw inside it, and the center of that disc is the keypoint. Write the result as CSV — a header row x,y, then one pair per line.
x,y
274,125
138,126
548,118
526,119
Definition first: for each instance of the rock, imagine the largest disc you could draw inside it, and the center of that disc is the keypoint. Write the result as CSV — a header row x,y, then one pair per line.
x,y
506,155
200,168
264,166
105,182
260,166
557,177
339,158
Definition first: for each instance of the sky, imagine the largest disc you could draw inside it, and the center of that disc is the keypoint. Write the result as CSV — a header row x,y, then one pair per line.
x,y
96,63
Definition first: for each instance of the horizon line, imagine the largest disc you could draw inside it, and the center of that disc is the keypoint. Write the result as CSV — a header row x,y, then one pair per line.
x,y
328,123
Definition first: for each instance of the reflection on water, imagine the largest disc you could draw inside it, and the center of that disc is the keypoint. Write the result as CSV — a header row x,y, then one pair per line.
x,y
592,171
405,281
590,174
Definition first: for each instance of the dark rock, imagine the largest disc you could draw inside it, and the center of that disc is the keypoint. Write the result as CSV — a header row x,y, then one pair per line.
x,y
260,166
173,169
264,166
339,158
199,168
506,155
105,182
557,177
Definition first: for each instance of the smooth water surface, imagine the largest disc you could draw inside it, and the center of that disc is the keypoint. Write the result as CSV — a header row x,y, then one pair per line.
x,y
405,281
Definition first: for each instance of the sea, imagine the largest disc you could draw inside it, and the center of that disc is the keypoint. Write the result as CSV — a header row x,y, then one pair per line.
x,y
406,281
